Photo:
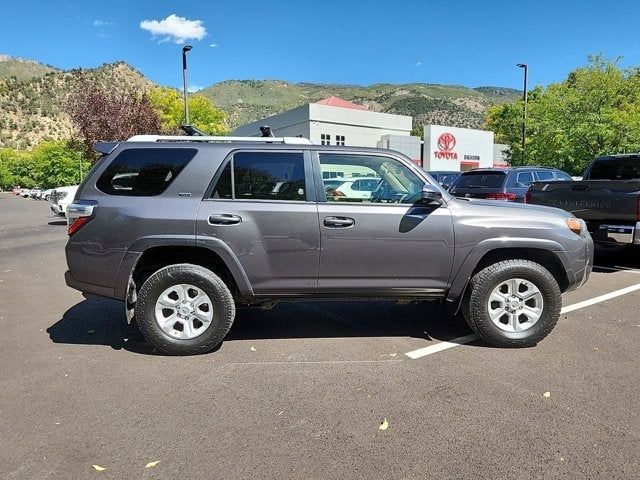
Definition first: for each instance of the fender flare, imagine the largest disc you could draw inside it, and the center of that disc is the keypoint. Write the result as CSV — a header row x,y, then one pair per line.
x,y
137,249
461,278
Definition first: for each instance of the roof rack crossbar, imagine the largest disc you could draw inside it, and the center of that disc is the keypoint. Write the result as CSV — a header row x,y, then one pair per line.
x,y
219,139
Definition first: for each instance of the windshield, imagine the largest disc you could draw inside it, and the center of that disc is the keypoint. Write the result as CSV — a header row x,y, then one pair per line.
x,y
479,180
616,169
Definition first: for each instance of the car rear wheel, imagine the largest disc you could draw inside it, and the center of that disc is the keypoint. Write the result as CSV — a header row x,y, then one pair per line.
x,y
184,309
513,303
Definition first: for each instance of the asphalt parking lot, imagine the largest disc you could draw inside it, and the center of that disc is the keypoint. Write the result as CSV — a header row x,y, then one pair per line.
x,y
300,391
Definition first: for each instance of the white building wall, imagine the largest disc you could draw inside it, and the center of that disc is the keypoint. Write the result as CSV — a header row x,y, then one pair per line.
x,y
360,128
292,123
408,145
471,148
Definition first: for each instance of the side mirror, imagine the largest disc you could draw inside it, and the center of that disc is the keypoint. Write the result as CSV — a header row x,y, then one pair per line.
x,y
431,195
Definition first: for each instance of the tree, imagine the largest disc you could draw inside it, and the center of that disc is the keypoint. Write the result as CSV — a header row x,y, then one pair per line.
x,y
169,106
50,164
595,111
106,115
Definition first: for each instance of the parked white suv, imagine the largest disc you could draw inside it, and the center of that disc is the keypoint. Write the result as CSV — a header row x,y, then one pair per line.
x,y
61,197
353,187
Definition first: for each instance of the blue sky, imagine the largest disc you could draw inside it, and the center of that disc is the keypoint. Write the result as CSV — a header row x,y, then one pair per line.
x,y
468,43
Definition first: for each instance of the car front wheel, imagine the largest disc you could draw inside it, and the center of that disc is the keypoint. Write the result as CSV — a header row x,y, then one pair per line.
x,y
184,309
513,303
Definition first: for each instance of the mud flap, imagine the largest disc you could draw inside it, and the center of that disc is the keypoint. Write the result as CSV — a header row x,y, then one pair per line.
x,y
130,302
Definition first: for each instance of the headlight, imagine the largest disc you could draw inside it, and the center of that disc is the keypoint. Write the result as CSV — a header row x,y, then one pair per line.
x,y
575,225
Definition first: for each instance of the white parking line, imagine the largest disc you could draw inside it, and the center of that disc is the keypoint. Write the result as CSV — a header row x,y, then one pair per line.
x,y
456,342
601,298
618,269
438,347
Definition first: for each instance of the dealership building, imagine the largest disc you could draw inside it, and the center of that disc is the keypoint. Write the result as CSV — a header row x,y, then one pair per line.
x,y
334,121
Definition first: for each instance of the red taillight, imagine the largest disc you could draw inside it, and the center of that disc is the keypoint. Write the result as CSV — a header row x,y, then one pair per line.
x,y
527,197
77,224
509,197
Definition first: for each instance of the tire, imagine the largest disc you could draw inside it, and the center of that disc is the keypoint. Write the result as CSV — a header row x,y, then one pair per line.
x,y
150,311
527,277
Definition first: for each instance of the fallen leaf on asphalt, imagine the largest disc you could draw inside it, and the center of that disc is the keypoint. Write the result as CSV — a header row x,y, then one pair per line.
x,y
393,354
253,349
546,394
99,468
152,464
384,425
280,412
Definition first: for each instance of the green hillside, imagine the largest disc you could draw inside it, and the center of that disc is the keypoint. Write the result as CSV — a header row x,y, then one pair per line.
x,y
249,100
22,69
34,109
33,98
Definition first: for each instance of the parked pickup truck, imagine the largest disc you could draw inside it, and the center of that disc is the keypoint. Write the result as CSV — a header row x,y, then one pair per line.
x,y
608,198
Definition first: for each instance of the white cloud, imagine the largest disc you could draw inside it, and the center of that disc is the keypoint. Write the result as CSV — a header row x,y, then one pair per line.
x,y
194,88
214,45
418,63
102,23
175,29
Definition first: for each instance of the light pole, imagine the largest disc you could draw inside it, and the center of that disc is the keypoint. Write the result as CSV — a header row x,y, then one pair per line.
x,y
524,99
185,49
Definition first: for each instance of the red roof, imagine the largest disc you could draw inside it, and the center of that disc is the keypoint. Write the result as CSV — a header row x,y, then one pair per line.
x,y
339,102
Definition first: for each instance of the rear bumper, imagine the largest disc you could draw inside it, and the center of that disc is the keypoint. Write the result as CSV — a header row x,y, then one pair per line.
x,y
87,287
615,233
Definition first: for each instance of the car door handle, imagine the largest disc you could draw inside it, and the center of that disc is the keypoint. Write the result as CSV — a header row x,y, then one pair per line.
x,y
224,219
339,222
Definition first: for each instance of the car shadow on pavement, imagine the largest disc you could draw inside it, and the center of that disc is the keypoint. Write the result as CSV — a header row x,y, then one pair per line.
x,y
616,257
57,222
101,321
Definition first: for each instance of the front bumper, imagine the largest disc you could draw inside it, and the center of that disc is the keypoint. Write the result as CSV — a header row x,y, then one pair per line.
x,y
579,264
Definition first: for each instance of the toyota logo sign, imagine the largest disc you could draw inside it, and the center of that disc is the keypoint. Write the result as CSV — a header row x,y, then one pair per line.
x,y
446,142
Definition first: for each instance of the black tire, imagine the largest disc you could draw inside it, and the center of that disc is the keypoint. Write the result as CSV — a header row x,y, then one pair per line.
x,y
475,304
197,276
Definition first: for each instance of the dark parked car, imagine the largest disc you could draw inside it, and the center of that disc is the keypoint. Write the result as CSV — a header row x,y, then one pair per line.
x,y
510,184
444,178
207,223
607,198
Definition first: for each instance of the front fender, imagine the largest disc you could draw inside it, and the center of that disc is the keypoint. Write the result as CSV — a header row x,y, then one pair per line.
x,y
460,279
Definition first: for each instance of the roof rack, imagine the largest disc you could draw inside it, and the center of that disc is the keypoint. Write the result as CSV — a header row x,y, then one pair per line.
x,y
211,139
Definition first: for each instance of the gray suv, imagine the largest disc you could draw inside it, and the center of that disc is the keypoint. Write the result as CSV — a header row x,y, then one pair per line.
x,y
184,229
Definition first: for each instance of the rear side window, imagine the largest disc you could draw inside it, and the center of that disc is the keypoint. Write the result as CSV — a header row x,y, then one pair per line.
x,y
616,169
144,172
545,175
563,176
262,176
480,180
520,179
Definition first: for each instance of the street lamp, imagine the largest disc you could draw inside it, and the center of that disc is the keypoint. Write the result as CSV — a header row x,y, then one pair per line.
x,y
185,49
524,99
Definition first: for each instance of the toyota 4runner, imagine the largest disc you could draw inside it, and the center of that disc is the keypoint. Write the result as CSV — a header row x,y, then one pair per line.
x,y
184,229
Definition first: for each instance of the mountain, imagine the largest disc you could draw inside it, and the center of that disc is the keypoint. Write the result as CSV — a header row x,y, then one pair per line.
x,y
34,109
249,100
33,98
22,69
